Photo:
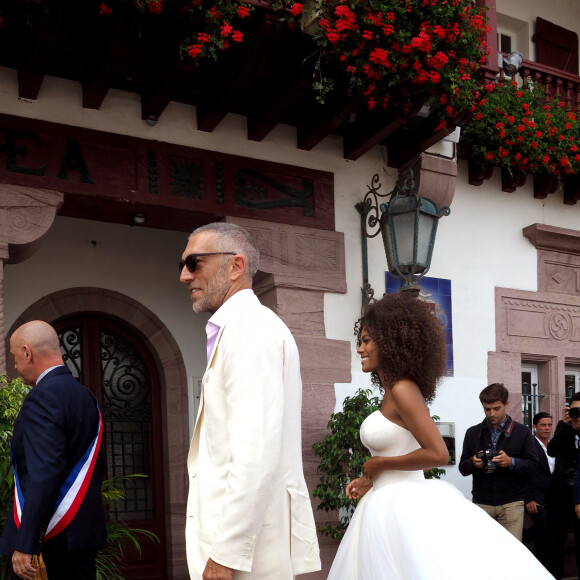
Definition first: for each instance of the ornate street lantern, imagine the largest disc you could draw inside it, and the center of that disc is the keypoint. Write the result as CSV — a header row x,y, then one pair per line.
x,y
408,224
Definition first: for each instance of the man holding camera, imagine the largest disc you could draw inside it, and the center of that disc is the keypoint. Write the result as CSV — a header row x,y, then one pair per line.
x,y
501,455
564,447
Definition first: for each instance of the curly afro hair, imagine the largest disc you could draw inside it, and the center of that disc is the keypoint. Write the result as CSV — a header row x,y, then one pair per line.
x,y
410,341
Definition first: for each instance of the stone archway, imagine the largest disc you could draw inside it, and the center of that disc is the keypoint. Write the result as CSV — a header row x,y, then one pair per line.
x,y
171,368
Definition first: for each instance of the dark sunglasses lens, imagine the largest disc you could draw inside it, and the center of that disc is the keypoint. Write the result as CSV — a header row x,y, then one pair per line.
x,y
190,262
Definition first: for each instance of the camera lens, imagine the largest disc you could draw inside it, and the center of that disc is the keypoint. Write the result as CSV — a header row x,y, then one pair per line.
x,y
574,412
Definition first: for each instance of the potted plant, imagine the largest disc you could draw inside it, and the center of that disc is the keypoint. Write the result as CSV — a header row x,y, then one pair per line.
x,y
398,55
109,560
516,129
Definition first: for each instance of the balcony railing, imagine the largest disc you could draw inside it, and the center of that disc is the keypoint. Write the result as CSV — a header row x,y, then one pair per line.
x,y
556,83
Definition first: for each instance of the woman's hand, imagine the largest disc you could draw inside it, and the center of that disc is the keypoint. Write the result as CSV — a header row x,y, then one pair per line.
x,y
358,487
373,467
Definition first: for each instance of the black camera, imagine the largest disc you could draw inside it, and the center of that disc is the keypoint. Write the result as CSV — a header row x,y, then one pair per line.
x,y
574,412
486,456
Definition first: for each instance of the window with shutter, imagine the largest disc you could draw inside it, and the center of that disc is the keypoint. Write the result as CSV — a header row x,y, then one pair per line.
x,y
556,46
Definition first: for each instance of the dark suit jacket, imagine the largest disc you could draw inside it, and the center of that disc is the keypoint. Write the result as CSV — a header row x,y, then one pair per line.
x,y
539,482
53,430
562,446
506,484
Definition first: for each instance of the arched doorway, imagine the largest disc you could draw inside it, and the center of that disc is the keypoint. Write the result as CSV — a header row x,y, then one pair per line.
x,y
159,342
113,362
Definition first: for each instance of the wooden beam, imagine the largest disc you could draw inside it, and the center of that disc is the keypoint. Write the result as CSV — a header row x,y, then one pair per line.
x,y
313,132
373,128
223,99
271,114
165,89
31,75
115,60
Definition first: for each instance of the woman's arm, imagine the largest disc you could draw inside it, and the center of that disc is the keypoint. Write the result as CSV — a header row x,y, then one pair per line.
x,y
406,406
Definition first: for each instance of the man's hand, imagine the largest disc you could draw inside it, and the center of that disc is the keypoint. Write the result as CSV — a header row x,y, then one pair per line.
x,y
577,509
22,566
502,459
532,507
478,463
215,571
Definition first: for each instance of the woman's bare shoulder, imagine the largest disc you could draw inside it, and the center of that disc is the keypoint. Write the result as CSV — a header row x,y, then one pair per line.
x,y
404,387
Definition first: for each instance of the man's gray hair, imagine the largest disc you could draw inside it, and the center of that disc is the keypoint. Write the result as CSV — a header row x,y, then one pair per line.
x,y
233,238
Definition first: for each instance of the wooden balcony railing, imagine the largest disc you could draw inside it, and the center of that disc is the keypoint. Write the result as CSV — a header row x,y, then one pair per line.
x,y
557,84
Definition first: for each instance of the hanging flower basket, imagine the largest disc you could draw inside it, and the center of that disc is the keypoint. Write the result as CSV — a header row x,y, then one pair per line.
x,y
512,179
517,129
571,189
479,171
544,184
396,53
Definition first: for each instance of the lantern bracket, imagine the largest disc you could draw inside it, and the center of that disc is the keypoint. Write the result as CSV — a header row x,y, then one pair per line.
x,y
377,217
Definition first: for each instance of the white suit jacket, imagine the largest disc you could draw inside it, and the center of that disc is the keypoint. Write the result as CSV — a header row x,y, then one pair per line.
x,y
248,506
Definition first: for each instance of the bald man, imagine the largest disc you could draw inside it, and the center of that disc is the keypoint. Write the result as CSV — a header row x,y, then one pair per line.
x,y
58,464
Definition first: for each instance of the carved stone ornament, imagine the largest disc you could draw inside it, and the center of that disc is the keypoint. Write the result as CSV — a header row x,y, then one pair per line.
x,y
26,214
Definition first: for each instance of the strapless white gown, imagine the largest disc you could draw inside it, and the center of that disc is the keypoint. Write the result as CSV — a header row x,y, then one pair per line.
x,y
411,528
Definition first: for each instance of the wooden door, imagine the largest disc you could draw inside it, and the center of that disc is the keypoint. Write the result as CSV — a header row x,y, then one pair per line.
x,y
114,364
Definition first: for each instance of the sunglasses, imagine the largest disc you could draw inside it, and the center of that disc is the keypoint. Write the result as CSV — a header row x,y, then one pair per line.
x,y
191,261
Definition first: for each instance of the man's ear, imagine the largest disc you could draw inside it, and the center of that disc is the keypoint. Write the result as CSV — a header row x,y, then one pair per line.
x,y
27,352
238,267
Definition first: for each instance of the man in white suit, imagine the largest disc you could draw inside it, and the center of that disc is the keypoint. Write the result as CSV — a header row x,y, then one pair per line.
x,y
249,514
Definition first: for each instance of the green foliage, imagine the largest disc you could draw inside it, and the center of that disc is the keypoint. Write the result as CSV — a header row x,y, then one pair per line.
x,y
394,54
12,393
342,456
434,472
119,535
516,128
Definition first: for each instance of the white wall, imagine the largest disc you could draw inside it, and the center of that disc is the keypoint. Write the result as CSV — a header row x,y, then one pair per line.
x,y
565,13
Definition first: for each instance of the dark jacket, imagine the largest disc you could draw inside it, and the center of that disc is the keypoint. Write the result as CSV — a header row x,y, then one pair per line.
x,y
55,427
507,484
539,482
562,446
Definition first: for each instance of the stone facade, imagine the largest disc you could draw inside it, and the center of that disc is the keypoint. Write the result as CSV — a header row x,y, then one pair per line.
x,y
541,327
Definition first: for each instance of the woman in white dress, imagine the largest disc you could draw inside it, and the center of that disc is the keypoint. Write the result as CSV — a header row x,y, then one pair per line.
x,y
407,527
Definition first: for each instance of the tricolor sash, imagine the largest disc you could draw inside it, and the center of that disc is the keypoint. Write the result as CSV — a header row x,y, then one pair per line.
x,y
72,491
